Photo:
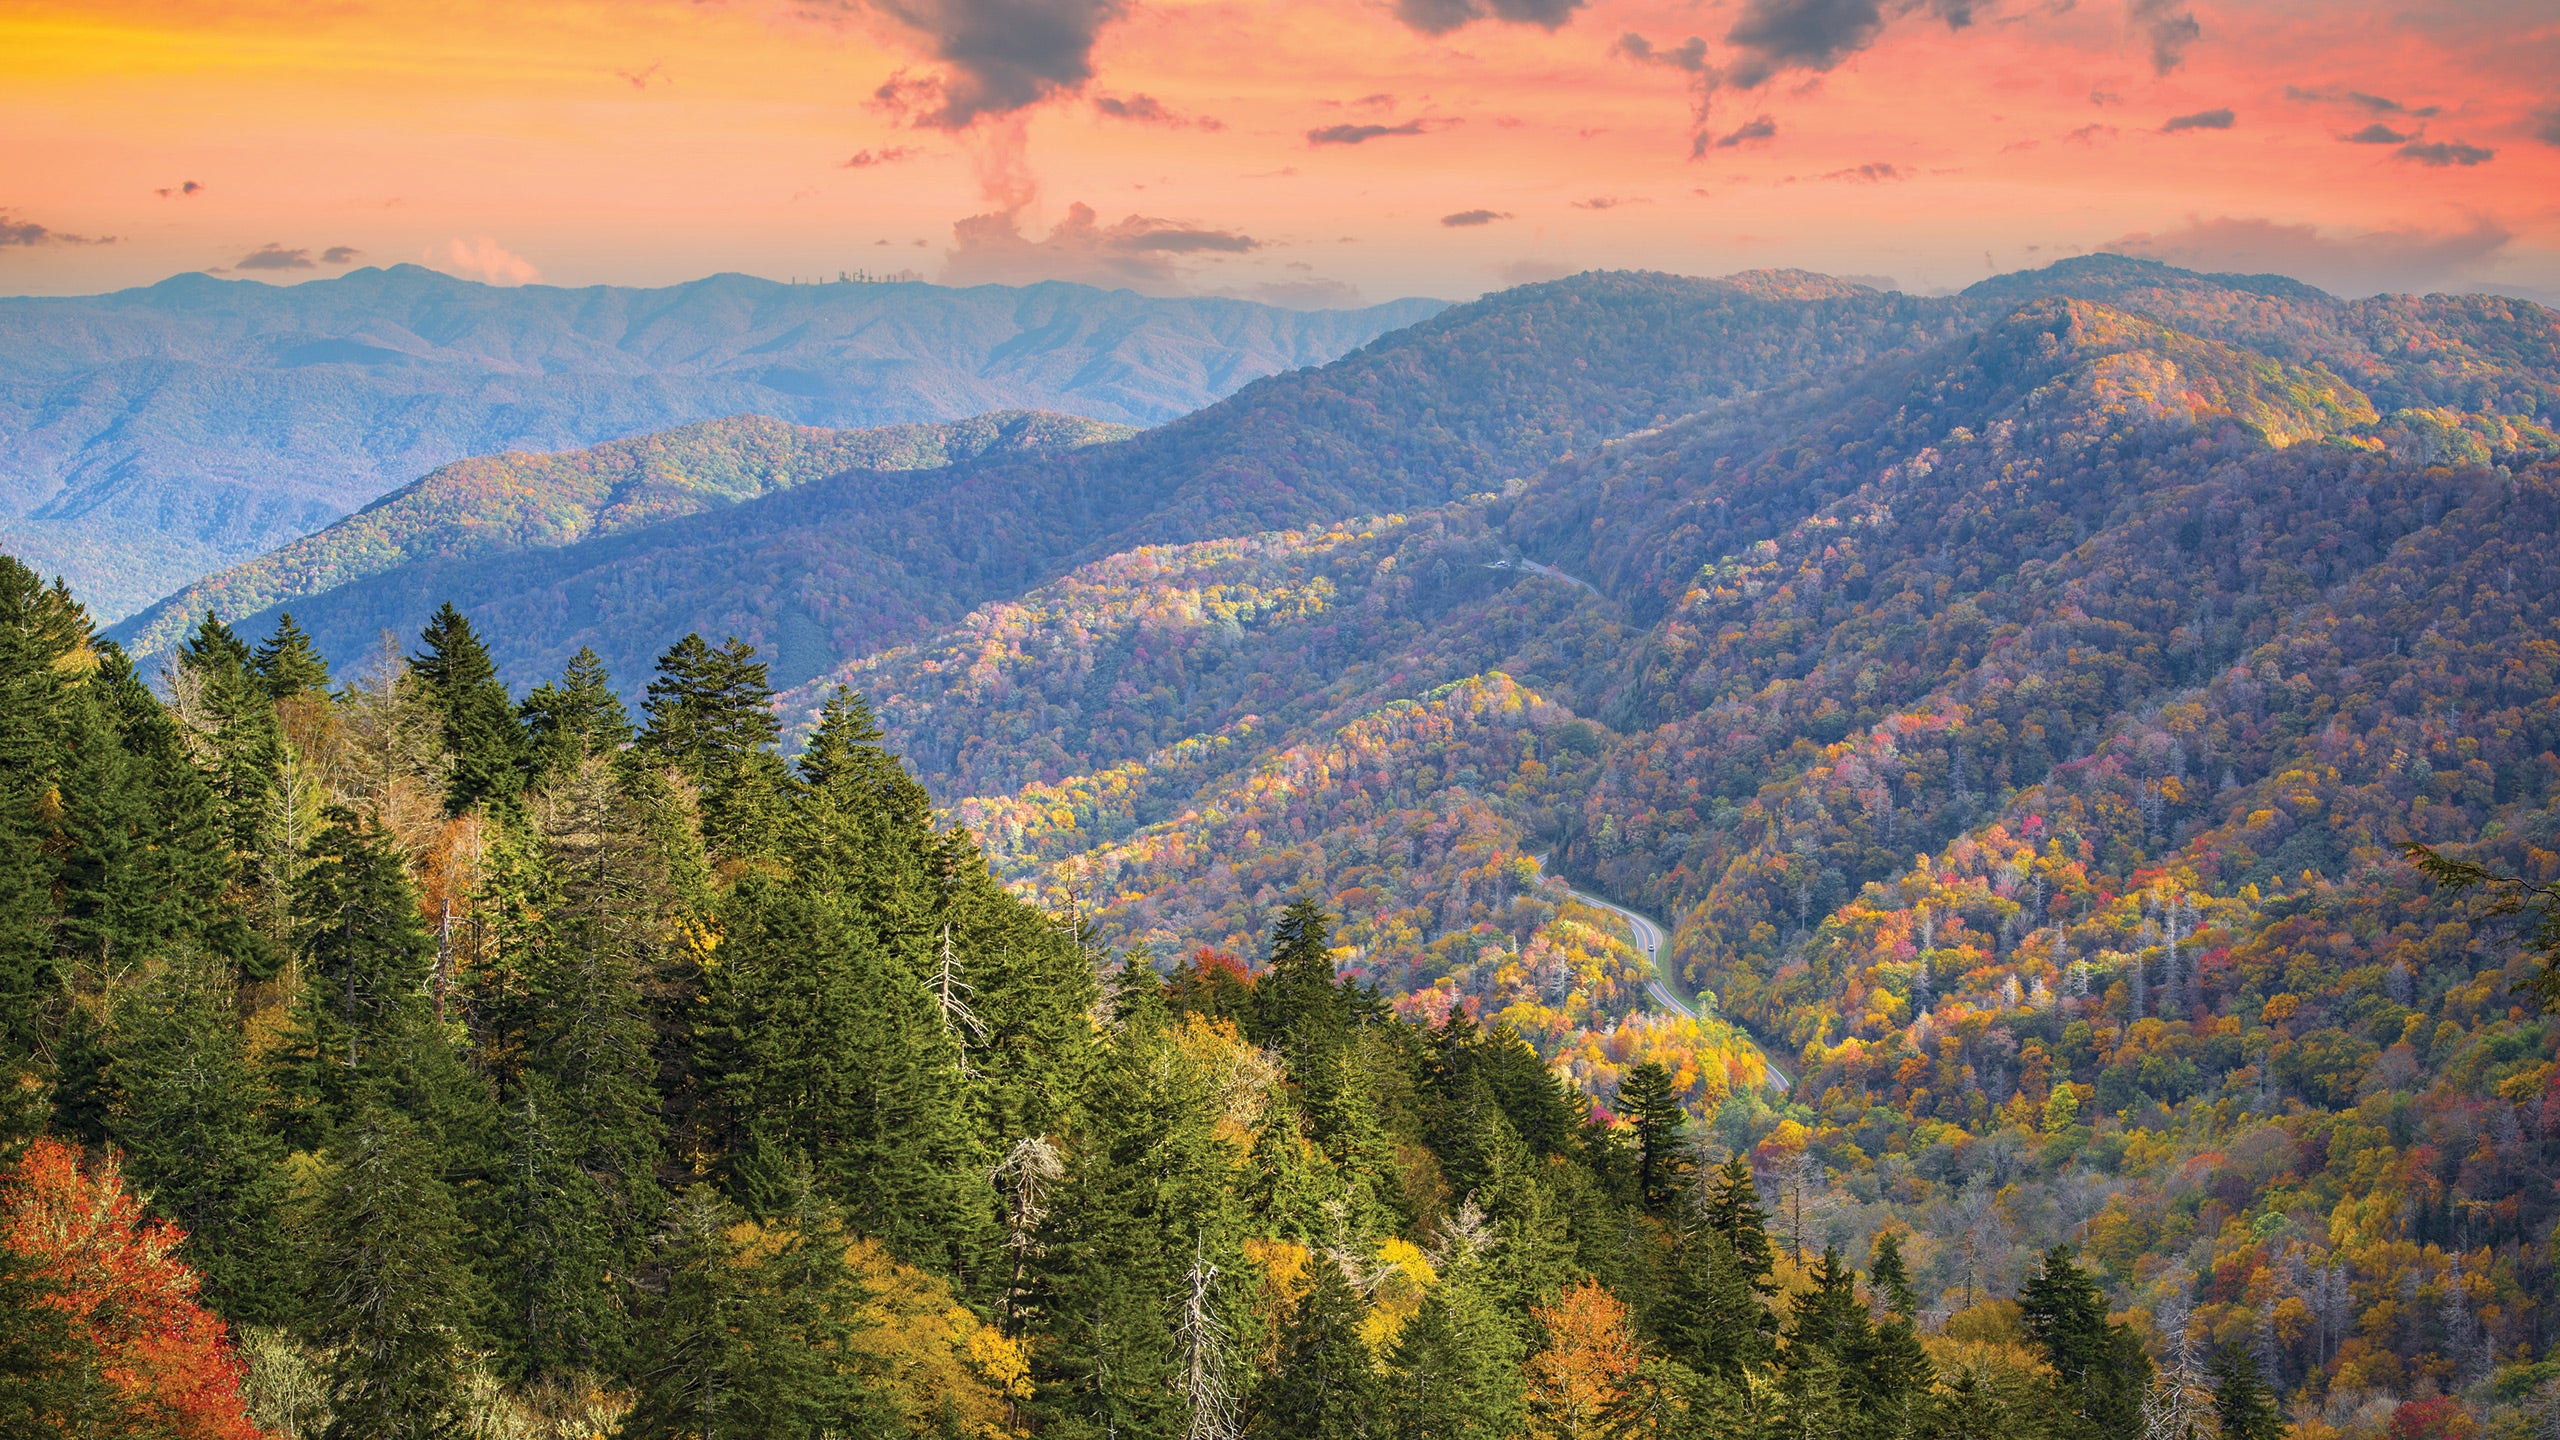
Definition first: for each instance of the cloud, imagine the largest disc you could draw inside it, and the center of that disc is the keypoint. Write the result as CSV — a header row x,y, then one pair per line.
x,y
340,255
2091,134
1758,127
2353,264
1689,55
1610,202
2546,126
483,259
16,232
1439,17
1139,252
2357,99
641,79
1772,37
272,256
2168,27
1363,134
2221,119
885,155
179,192
1871,174
1531,272
2441,153
1148,110
1474,217
997,57
2376,133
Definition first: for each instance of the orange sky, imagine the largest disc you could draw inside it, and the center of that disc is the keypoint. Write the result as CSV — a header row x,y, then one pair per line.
x,y
650,141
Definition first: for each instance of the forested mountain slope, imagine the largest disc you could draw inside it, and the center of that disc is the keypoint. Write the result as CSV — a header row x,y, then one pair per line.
x,y
492,505
161,433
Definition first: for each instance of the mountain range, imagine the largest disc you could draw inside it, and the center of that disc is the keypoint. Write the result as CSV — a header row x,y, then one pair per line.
x,y
157,434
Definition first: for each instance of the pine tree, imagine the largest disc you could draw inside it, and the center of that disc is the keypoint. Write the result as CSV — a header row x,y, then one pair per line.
x,y
1732,1209
1326,1385
2243,1409
1655,1114
39,630
1708,1316
1299,1006
226,703
289,664
2100,1371
746,1339
1456,1366
578,716
189,1112
386,1293
1891,1277
483,746
711,716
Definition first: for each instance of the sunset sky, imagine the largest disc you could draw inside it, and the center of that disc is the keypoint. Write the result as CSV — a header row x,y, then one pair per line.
x,y
1314,153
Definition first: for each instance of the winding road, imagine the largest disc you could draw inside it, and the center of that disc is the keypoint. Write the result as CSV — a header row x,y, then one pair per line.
x,y
1664,985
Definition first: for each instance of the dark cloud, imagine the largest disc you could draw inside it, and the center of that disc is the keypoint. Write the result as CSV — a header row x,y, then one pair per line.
x,y
1773,36
1439,17
885,155
1689,55
272,256
1148,110
2376,133
1758,127
2441,153
2091,134
2168,27
14,231
340,255
2221,119
997,56
2352,264
1609,202
2546,126
2357,99
1871,173
179,192
1474,217
1139,252
1362,134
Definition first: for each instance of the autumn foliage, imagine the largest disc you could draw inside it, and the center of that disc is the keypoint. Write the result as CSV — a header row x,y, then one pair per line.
x,y
164,1366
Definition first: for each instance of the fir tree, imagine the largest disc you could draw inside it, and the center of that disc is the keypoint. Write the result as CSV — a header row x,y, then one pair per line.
x,y
573,718
1708,1317
711,716
1645,1098
1891,1277
1455,1373
2099,1369
1326,1385
1732,1209
226,703
288,663
387,1295
2243,1408
483,746
1299,1006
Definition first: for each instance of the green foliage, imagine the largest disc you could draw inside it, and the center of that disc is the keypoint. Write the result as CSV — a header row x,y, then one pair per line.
x,y
481,741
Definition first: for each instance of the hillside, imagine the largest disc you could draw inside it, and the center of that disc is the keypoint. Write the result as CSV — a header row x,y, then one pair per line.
x,y
1463,402
495,505
159,434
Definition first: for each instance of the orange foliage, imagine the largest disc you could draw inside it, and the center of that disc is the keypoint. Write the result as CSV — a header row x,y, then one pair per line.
x,y
164,1359
1590,1349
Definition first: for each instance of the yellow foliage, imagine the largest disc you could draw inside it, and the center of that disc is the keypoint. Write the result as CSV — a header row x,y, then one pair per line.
x,y
937,1364
1405,1280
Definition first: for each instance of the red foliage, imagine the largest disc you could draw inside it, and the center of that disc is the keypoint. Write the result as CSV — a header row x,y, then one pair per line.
x,y
2440,1417
164,1360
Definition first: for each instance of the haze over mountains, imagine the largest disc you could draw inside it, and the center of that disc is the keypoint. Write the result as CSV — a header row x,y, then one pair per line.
x,y
158,434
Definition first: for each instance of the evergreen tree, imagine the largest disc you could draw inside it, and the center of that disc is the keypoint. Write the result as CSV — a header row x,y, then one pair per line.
x,y
2100,1370
1455,1372
747,1337
1891,1277
224,701
1326,1385
1708,1316
1645,1098
387,1295
288,663
40,629
483,746
48,1371
711,716
825,1052
2243,1408
577,716
1732,1209
1299,1006
189,1111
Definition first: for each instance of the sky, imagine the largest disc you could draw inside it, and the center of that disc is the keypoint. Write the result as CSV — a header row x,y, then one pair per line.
x,y
1326,152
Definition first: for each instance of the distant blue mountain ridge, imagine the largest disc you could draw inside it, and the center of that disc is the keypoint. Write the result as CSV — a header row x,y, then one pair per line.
x,y
152,436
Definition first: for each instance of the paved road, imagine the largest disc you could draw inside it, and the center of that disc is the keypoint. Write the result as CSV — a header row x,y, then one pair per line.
x,y
1664,986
